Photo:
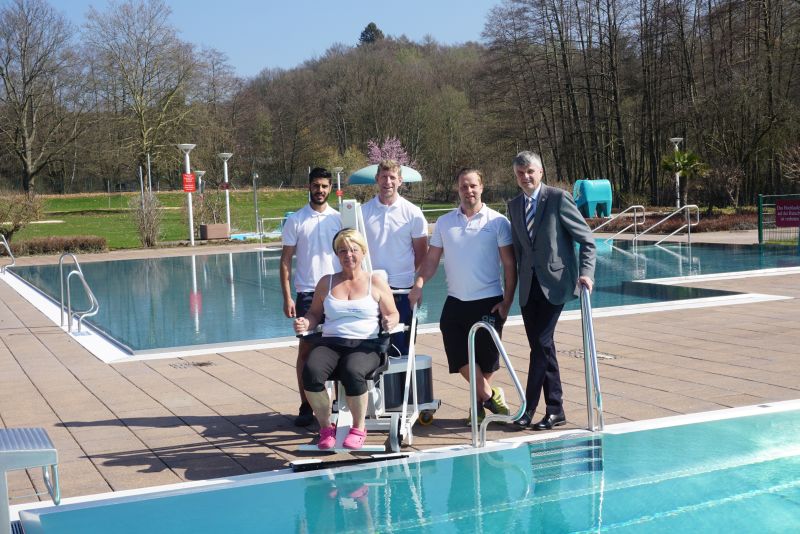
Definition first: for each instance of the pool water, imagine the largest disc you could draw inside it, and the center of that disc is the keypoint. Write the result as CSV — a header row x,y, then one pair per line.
x,y
153,304
733,475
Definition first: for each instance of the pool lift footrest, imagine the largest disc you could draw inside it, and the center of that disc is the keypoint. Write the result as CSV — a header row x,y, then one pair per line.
x,y
313,464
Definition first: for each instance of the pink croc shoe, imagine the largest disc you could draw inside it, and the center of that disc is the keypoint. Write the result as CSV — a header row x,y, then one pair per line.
x,y
355,439
327,438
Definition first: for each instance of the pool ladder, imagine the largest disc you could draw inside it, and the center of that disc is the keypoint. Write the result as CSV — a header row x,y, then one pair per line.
x,y
67,310
594,398
687,209
8,251
638,210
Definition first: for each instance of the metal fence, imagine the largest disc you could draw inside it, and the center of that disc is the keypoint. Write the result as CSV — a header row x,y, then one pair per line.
x,y
767,230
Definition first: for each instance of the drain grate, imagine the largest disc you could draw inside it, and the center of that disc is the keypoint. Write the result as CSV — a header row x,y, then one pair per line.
x,y
187,365
578,353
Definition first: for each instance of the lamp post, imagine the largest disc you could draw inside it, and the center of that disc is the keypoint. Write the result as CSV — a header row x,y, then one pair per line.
x,y
187,170
225,156
255,200
339,192
200,184
676,141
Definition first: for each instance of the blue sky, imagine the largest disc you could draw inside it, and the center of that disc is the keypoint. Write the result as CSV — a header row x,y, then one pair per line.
x,y
267,33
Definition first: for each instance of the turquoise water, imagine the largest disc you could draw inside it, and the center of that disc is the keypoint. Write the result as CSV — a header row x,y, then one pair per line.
x,y
184,301
736,475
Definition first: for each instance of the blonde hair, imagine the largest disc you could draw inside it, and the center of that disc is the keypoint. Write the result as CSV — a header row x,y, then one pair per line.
x,y
389,165
347,236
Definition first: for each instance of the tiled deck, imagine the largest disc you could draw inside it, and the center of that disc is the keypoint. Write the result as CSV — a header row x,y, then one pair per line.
x,y
146,423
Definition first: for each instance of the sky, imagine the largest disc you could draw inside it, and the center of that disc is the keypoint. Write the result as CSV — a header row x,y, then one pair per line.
x,y
283,34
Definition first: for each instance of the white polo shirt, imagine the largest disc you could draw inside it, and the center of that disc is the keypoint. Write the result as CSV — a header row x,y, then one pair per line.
x,y
390,230
312,234
471,255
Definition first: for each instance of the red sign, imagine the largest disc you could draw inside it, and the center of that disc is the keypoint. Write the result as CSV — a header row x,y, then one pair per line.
x,y
339,192
189,183
787,213
224,185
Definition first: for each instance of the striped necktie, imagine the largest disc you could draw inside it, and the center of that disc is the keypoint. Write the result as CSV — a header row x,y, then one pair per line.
x,y
530,211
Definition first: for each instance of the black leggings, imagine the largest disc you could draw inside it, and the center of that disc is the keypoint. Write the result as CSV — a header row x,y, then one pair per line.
x,y
351,366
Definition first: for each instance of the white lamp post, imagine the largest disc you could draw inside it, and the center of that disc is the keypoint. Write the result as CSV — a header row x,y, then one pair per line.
x,y
225,156
338,171
200,186
676,141
187,169
255,201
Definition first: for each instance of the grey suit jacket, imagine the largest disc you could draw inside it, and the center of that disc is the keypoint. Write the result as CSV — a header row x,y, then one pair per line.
x,y
557,226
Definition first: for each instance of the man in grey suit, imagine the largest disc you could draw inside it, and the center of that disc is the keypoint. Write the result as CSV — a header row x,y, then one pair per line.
x,y
545,225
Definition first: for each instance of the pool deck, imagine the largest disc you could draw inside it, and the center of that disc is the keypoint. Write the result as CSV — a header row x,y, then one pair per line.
x,y
146,423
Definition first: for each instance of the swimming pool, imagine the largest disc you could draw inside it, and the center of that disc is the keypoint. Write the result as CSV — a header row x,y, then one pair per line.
x,y
152,305
739,474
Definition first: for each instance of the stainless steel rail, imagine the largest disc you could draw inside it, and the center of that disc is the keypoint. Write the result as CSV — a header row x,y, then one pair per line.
x,y
688,211
594,398
78,272
479,438
10,254
636,209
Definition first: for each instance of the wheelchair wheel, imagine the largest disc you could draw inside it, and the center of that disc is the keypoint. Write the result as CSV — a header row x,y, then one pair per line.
x,y
425,417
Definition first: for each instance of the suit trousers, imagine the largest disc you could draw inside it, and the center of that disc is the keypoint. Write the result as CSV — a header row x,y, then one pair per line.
x,y
540,318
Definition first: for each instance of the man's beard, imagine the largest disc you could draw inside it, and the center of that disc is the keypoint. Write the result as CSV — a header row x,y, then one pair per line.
x,y
319,202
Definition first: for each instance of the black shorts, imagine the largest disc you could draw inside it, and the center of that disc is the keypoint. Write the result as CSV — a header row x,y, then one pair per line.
x,y
457,319
302,302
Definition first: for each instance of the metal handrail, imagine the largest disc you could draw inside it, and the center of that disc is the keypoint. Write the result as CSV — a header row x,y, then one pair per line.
x,y
93,308
594,398
688,209
480,441
635,208
10,254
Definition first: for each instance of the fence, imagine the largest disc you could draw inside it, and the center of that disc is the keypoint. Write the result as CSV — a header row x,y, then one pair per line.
x,y
768,231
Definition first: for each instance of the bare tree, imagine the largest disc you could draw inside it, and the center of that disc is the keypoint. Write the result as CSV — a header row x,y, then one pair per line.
x,y
143,69
41,105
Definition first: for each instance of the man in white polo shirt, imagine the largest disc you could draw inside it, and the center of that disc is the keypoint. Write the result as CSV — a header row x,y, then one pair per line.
x,y
397,235
308,234
477,245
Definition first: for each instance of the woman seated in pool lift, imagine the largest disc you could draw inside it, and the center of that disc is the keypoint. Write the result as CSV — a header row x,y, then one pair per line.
x,y
357,306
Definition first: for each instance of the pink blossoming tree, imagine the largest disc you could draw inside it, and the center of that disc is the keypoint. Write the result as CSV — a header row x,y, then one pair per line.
x,y
391,148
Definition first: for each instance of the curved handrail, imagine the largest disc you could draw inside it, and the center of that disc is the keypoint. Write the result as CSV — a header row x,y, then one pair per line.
x,y
473,395
688,209
636,222
594,399
95,305
10,254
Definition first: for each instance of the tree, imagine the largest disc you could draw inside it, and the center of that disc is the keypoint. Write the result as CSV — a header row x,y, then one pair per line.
x,y
391,148
41,105
371,34
688,164
144,72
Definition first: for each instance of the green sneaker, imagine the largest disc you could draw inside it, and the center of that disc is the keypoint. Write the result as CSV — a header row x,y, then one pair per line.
x,y
497,403
481,416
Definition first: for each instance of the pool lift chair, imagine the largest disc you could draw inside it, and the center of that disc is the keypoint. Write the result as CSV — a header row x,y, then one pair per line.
x,y
26,448
416,405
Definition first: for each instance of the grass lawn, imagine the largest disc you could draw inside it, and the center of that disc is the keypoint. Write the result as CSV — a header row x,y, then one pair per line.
x,y
109,216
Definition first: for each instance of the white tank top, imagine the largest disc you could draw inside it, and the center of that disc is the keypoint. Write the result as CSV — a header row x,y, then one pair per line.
x,y
351,319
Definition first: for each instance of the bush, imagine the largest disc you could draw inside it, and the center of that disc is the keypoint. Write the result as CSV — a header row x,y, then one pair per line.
x,y
146,215
16,211
717,222
59,244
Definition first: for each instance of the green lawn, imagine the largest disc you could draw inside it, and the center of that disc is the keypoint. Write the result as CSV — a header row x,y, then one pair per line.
x,y
108,216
